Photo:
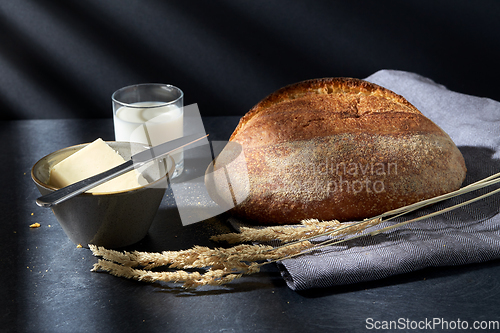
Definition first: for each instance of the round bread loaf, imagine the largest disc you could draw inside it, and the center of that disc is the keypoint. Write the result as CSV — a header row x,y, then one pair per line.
x,y
333,148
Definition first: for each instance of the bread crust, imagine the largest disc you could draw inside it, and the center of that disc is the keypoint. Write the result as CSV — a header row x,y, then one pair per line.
x,y
338,148
341,88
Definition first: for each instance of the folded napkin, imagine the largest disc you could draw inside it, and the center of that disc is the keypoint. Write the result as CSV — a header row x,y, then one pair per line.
x,y
466,235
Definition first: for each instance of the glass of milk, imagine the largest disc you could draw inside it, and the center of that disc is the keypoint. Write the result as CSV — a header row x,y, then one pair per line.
x,y
151,114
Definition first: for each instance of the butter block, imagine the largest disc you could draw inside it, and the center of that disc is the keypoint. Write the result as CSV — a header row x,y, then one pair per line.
x,y
92,160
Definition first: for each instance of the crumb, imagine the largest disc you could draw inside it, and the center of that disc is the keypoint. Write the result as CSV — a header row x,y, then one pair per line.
x,y
49,226
35,225
32,214
79,246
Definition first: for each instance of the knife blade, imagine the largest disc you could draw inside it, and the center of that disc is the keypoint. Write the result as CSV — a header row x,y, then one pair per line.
x,y
135,161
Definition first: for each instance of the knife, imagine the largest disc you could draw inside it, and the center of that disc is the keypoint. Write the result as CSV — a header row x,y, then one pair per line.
x,y
135,161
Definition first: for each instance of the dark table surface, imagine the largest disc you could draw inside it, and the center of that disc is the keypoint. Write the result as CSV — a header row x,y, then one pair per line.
x,y
46,284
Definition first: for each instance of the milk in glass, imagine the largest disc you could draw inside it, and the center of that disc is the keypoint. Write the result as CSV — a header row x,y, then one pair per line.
x,y
150,123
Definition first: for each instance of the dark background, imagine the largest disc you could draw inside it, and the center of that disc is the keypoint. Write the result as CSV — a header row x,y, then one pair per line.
x,y
64,59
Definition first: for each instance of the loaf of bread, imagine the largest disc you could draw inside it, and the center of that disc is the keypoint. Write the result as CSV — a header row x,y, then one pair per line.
x,y
333,148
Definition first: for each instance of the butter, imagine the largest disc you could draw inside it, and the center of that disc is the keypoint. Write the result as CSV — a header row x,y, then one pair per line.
x,y
92,160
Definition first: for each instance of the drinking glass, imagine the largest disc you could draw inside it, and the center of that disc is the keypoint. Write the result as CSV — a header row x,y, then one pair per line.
x,y
150,113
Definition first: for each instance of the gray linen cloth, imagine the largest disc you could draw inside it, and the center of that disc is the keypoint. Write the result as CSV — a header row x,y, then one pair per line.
x,y
466,235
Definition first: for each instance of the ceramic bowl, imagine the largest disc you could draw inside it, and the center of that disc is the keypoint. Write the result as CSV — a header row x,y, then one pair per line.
x,y
111,219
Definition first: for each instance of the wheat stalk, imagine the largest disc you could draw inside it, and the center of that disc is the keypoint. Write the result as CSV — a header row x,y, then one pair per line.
x,y
223,265
491,180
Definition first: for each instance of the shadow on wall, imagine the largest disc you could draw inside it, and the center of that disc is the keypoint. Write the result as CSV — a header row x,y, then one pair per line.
x,y
68,58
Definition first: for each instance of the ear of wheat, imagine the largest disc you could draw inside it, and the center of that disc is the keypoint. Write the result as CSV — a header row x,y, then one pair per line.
x,y
222,265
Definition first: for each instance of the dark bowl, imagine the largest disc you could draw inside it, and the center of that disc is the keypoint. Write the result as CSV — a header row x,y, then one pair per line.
x,y
111,219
